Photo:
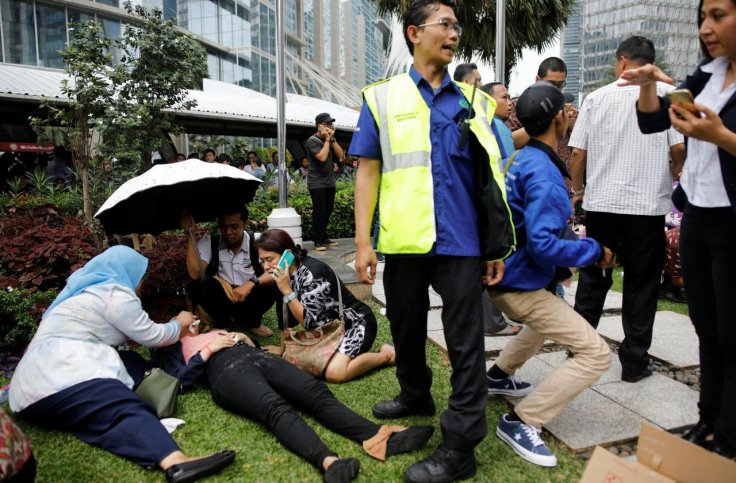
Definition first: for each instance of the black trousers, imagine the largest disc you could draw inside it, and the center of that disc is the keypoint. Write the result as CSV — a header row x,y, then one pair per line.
x,y
639,244
457,281
246,314
269,390
323,200
707,253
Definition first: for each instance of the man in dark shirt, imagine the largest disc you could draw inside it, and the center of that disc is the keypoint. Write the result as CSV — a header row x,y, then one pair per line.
x,y
320,179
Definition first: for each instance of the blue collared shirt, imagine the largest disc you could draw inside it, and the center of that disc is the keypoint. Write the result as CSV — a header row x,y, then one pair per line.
x,y
452,168
503,137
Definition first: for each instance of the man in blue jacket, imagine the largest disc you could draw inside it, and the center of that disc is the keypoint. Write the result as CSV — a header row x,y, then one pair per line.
x,y
540,209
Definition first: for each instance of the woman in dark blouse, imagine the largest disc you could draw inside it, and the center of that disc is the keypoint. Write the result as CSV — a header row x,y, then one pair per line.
x,y
310,290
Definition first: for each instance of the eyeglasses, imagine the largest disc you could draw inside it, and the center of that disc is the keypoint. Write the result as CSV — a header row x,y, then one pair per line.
x,y
446,25
557,84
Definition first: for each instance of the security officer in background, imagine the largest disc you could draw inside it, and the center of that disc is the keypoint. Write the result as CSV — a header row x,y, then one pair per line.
x,y
444,221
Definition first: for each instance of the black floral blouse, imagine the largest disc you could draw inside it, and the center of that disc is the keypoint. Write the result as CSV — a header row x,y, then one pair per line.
x,y
316,286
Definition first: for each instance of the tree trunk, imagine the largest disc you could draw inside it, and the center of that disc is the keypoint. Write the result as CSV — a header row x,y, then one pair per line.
x,y
86,203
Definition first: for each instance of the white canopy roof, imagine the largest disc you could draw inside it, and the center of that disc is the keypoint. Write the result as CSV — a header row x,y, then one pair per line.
x,y
217,101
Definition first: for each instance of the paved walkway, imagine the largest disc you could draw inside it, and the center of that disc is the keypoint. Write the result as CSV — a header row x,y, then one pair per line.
x,y
609,412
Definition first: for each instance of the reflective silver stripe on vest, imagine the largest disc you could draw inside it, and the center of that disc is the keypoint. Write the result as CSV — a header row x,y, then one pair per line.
x,y
392,161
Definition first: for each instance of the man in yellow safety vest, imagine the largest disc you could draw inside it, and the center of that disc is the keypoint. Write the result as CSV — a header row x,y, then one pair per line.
x,y
426,141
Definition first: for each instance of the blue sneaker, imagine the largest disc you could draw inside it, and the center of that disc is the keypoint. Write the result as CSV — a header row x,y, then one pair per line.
x,y
509,386
525,440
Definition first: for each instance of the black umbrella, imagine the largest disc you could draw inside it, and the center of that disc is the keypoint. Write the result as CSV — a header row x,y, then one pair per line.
x,y
154,201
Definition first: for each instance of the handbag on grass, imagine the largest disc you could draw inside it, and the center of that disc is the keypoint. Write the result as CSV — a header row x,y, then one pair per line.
x,y
312,349
160,390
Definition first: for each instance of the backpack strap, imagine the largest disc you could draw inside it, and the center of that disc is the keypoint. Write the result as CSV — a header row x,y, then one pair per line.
x,y
254,260
214,265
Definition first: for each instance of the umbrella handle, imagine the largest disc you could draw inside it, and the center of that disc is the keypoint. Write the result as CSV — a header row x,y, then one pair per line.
x,y
196,248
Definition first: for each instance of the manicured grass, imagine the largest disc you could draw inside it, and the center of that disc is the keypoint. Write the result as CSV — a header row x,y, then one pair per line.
x,y
260,457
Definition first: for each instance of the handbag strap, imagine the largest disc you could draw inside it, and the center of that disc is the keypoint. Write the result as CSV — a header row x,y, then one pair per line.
x,y
341,308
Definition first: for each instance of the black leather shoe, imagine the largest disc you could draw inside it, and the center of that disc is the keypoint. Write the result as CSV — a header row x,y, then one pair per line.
x,y
342,471
637,376
198,469
698,434
443,466
720,449
408,440
395,408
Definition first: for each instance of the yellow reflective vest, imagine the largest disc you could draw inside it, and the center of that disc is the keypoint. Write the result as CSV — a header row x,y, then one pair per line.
x,y
406,203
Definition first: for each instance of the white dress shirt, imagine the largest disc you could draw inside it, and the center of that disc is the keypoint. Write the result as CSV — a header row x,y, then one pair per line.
x,y
627,172
702,179
235,268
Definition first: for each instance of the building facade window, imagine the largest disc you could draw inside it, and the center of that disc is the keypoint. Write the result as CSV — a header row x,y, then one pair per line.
x,y
19,33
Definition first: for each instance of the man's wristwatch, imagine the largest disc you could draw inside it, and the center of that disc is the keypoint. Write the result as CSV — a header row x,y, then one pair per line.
x,y
256,281
333,140
578,192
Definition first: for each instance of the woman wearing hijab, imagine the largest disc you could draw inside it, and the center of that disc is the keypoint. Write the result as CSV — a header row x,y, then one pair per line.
x,y
72,379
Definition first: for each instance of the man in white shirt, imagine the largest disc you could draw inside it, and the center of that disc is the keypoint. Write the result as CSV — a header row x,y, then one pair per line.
x,y
234,290
623,179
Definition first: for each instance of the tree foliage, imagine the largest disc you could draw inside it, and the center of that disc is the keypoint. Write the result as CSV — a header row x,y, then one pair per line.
x,y
88,88
117,115
158,64
529,24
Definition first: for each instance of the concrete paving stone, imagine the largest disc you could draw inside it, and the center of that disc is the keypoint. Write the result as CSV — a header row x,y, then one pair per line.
x,y
613,374
674,339
380,298
612,304
494,345
434,320
660,399
590,419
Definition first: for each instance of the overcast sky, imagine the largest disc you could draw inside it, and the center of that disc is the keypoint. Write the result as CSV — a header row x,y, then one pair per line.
x,y
522,76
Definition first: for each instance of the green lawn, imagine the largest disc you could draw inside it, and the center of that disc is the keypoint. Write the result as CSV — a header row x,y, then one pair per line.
x,y
260,457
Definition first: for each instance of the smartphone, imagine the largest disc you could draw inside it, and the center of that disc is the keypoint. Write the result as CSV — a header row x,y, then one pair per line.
x,y
683,98
287,258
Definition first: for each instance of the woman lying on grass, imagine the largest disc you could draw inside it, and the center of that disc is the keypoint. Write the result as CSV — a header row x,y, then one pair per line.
x,y
246,380
72,379
309,288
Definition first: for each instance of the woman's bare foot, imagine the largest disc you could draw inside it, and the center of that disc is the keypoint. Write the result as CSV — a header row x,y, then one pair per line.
x,y
175,458
390,352
328,461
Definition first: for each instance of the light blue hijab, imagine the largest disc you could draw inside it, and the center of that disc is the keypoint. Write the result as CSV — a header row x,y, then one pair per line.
x,y
118,265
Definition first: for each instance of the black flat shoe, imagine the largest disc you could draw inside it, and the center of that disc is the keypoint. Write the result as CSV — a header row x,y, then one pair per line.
x,y
198,469
637,377
443,466
342,471
410,439
698,434
395,408
722,450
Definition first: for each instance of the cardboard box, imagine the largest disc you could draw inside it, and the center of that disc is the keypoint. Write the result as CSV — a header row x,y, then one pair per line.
x,y
661,458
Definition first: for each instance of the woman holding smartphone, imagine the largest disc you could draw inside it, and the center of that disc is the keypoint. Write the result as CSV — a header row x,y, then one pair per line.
x,y
309,287
708,230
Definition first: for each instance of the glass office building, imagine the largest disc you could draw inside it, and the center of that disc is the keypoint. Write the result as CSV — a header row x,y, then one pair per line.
x,y
670,24
571,36
332,46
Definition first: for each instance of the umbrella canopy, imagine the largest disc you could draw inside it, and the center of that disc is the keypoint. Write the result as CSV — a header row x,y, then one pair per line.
x,y
154,201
